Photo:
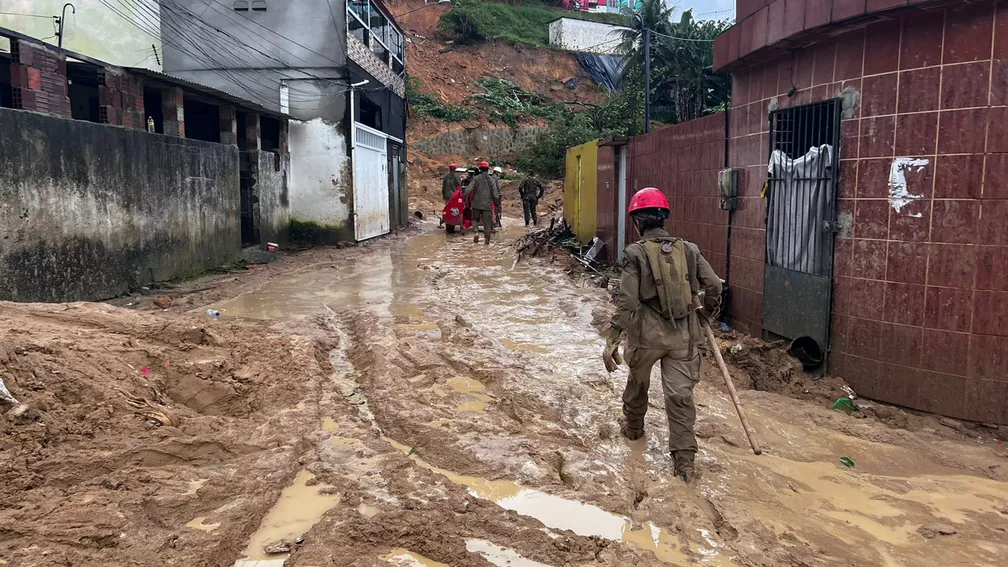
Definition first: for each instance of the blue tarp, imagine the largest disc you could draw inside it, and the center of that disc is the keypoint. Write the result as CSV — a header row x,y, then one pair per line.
x,y
603,69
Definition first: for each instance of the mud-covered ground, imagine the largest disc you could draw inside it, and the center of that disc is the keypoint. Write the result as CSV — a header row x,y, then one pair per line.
x,y
418,402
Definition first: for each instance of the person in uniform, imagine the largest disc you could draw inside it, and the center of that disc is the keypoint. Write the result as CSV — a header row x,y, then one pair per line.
x,y
482,194
667,291
531,190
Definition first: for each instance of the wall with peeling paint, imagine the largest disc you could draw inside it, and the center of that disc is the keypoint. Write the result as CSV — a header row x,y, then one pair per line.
x,y
321,184
126,37
921,260
90,211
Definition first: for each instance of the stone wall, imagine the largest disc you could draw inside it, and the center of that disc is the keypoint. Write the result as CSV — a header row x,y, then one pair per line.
x,y
485,142
89,211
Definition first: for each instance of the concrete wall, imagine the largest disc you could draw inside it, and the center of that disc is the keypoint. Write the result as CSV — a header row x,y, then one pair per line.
x,y
89,211
273,192
582,35
95,30
479,141
292,40
920,293
321,183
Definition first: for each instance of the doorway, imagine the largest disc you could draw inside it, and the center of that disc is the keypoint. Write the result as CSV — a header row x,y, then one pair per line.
x,y
801,225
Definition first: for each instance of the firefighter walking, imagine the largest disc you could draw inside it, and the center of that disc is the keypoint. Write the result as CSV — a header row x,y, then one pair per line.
x,y
450,182
482,193
531,190
662,279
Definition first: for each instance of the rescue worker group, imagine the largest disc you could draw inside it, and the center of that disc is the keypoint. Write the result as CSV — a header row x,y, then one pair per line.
x,y
668,293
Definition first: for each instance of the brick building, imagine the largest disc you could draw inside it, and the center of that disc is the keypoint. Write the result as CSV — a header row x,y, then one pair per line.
x,y
906,106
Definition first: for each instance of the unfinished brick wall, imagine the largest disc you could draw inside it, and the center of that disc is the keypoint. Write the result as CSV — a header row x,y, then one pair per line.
x,y
38,79
120,99
173,110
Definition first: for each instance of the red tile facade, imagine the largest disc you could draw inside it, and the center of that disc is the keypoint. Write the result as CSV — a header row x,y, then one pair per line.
x,y
684,161
921,288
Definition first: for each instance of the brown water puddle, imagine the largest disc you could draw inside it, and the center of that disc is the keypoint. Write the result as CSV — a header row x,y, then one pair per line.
x,y
879,510
405,558
200,524
299,507
500,556
564,514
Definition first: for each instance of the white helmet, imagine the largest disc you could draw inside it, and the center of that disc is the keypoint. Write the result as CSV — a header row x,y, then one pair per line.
x,y
497,169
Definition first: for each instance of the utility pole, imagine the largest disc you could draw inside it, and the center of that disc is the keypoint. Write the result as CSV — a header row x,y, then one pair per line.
x,y
647,77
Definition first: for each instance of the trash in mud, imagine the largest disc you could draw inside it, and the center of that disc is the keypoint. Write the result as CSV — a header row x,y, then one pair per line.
x,y
847,462
163,301
5,395
145,370
213,314
271,246
931,531
279,546
845,405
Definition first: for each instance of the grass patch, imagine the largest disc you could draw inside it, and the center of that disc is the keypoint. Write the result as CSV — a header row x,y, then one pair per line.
x,y
424,105
526,24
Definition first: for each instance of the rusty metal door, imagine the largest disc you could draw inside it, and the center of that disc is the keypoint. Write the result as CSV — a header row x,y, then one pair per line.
x,y
801,222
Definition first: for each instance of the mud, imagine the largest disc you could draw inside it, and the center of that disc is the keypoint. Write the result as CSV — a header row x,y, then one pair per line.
x,y
418,402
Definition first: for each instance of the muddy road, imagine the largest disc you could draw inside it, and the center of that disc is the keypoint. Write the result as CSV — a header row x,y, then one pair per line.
x,y
418,402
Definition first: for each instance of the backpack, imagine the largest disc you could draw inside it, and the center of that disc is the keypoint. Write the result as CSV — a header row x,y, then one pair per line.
x,y
675,277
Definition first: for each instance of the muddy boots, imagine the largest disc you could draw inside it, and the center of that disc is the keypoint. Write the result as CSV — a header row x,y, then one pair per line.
x,y
632,433
684,464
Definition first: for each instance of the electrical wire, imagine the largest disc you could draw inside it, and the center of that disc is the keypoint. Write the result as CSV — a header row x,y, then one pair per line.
x,y
25,15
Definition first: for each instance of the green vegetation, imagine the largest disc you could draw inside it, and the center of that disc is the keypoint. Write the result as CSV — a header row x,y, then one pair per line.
x,y
425,105
620,115
470,21
510,103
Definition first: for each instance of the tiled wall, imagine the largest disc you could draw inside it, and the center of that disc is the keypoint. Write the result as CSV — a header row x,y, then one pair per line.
x,y
684,160
921,288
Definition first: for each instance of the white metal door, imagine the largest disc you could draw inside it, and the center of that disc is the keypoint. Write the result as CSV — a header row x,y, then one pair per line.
x,y
621,215
370,178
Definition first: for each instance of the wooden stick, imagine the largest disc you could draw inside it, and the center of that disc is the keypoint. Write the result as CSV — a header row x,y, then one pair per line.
x,y
731,389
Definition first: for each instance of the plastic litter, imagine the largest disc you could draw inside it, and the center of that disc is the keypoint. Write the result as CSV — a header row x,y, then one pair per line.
x,y
212,314
845,405
5,395
847,462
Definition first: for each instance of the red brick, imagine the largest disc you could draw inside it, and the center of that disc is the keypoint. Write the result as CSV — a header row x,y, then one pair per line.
x,y
904,304
964,86
968,32
882,41
952,265
948,309
955,221
959,177
922,39
846,9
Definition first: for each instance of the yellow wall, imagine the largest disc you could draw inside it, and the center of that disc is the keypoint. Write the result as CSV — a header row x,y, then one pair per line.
x,y
580,190
95,30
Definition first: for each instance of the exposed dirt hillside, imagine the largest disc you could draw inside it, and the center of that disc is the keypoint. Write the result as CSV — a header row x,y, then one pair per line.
x,y
450,72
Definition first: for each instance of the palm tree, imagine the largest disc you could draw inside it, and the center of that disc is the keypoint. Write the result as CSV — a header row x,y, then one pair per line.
x,y
655,15
684,64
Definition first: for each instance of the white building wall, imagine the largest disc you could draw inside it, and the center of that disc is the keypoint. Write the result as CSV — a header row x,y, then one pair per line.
x,y
320,187
585,36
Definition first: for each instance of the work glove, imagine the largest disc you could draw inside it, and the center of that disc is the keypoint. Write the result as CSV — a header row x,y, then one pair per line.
x,y
611,356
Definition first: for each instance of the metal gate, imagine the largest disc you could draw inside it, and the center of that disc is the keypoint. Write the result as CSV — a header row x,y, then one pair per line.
x,y
801,222
371,183
246,181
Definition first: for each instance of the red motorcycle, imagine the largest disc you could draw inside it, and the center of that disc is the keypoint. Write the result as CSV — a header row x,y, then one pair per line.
x,y
457,215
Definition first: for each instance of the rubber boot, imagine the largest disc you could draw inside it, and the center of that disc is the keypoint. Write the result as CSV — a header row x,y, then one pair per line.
x,y
631,433
684,464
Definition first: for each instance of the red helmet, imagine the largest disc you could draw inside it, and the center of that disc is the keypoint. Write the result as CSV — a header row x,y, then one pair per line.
x,y
453,166
484,165
648,198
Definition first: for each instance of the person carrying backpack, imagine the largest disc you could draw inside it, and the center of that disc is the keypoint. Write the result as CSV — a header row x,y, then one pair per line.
x,y
663,280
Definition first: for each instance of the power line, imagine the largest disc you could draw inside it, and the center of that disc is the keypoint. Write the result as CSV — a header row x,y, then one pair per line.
x,y
681,38
25,15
